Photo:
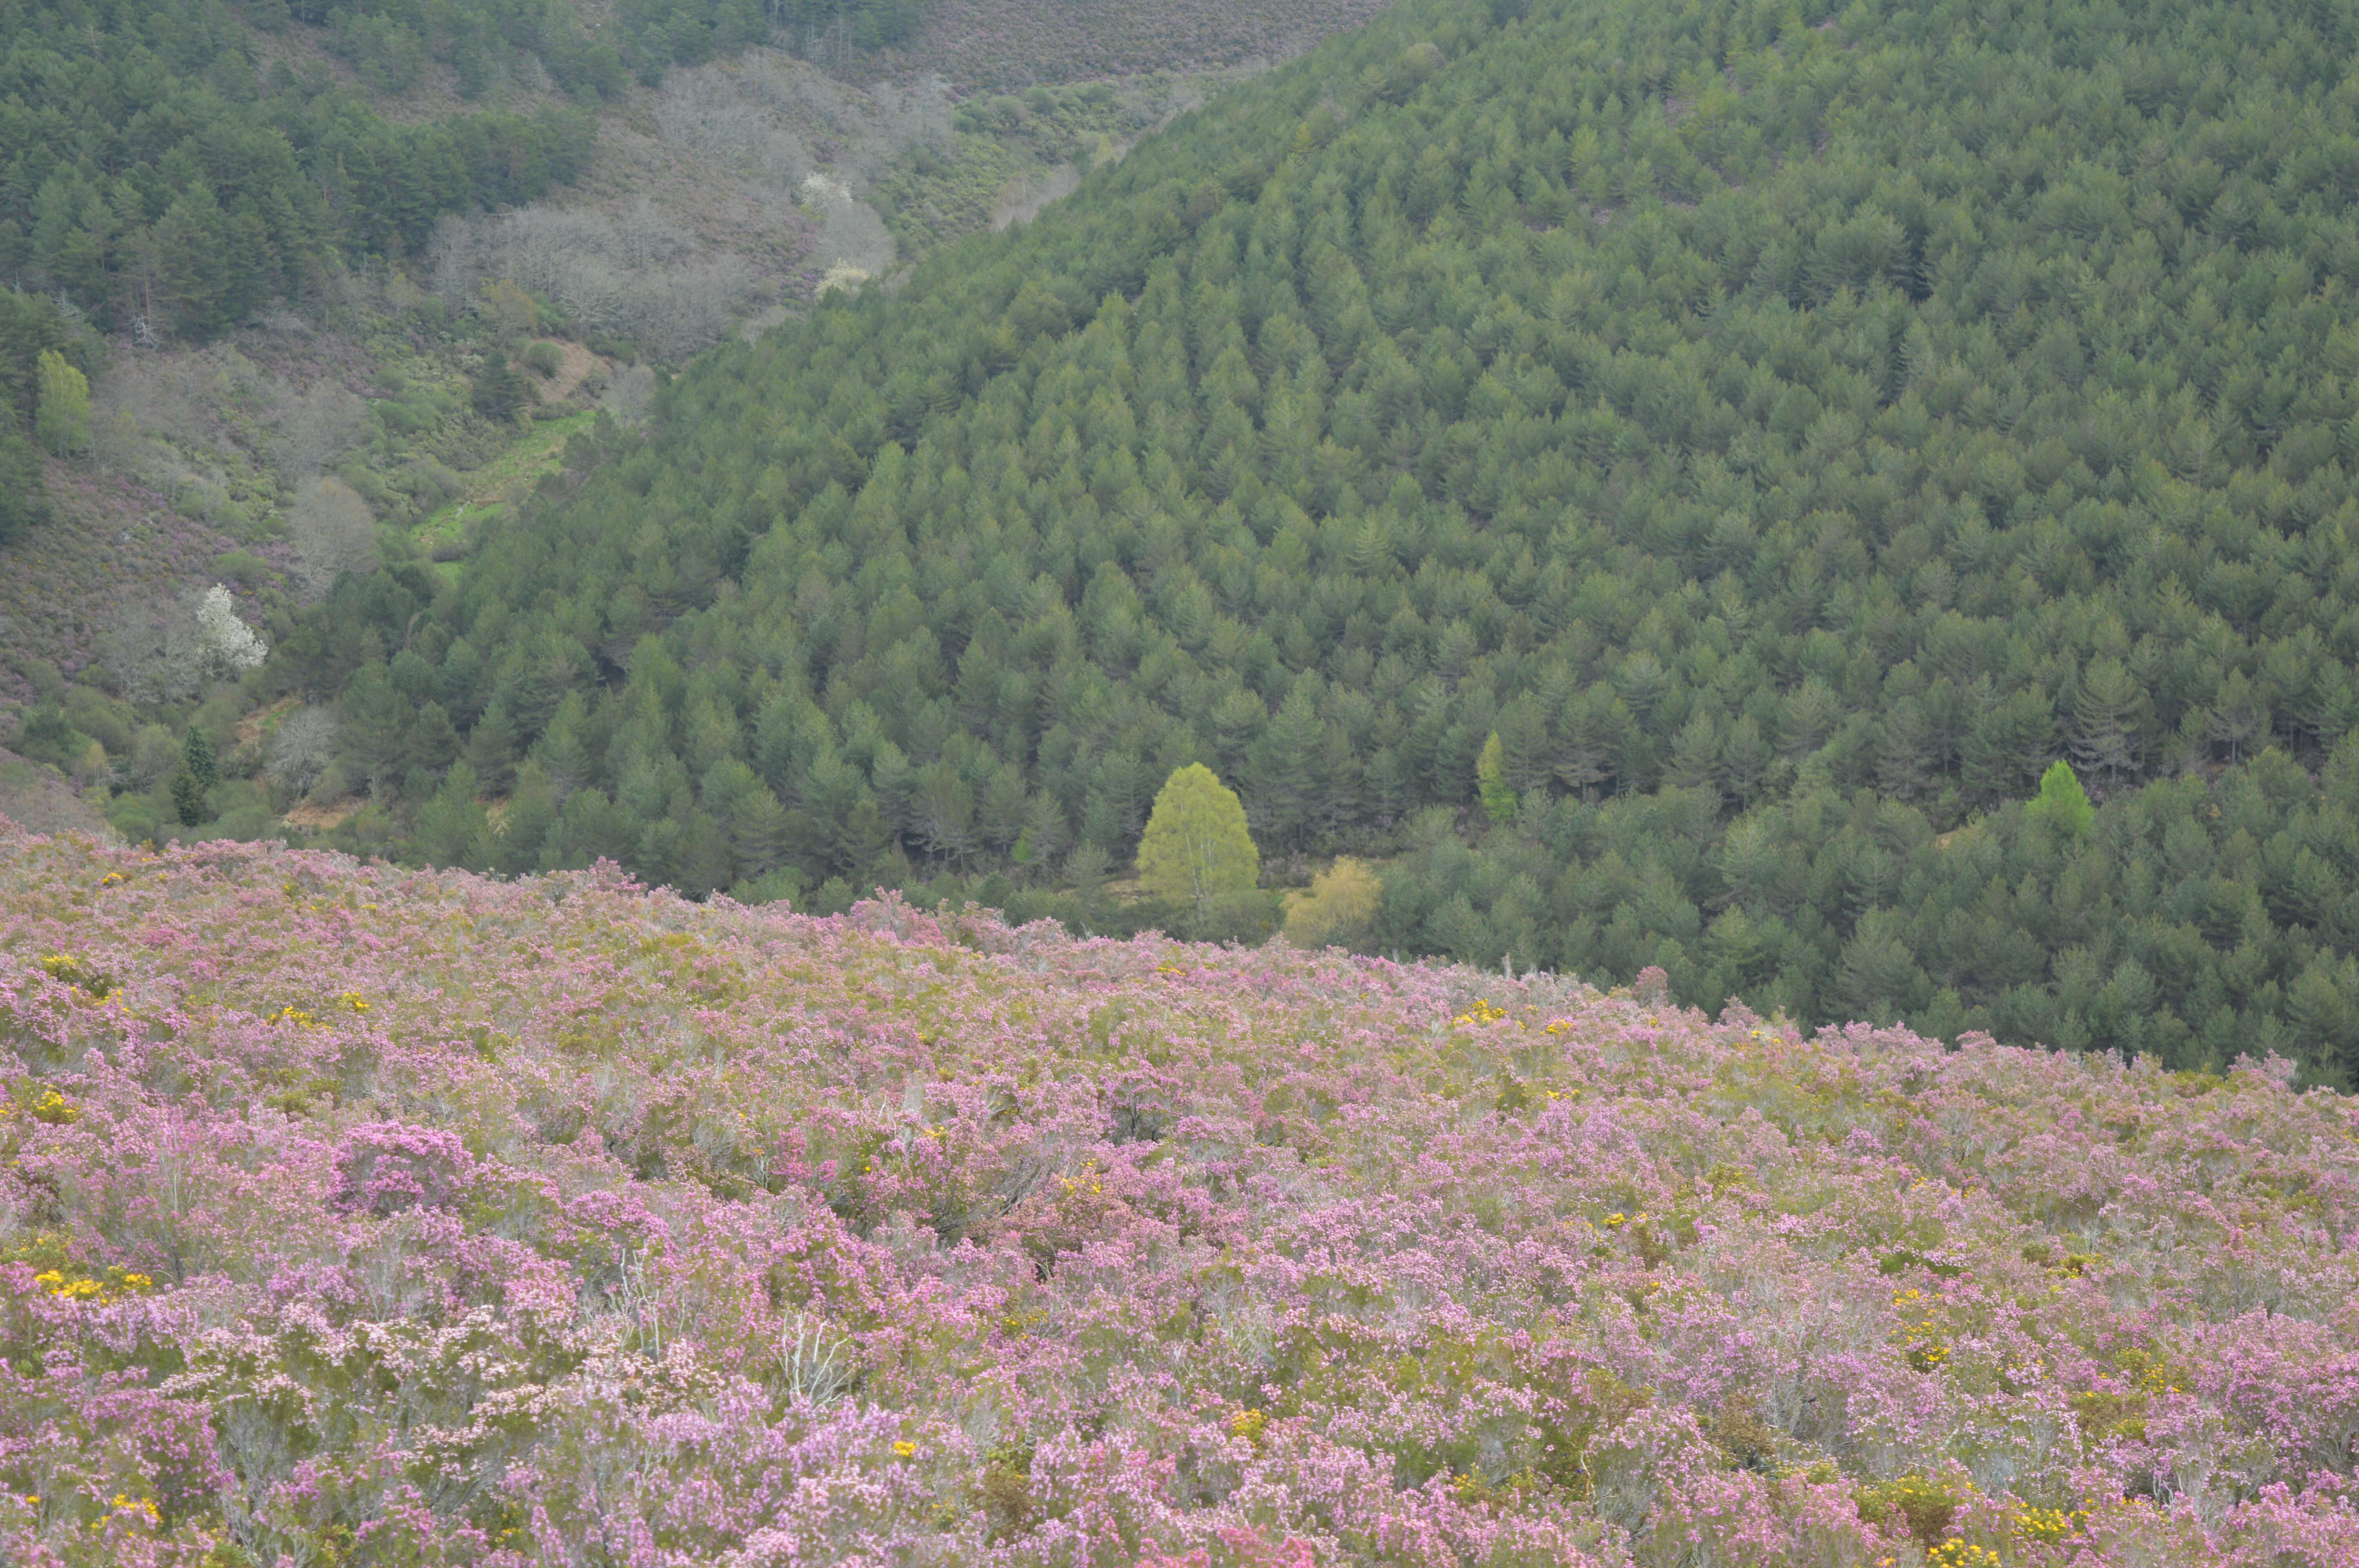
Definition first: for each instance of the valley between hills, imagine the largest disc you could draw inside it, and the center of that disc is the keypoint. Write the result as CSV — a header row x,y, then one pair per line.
x,y
1070,783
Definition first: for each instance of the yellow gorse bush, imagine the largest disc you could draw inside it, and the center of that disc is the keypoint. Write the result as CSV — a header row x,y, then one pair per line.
x,y
82,974
117,1283
303,1018
54,1109
1920,1340
1961,1554
2049,1526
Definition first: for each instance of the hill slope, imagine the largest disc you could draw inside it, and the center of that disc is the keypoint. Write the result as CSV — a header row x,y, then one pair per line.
x,y
456,1221
1788,432
191,202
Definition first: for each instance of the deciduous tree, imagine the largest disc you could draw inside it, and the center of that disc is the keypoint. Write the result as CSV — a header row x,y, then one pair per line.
x,y
1197,849
63,422
1341,906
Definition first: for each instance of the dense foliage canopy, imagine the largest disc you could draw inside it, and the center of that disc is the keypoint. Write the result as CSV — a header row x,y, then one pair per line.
x,y
170,165
359,1215
1789,430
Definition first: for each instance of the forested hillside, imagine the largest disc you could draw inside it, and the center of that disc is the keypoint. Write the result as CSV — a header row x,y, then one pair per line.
x,y
651,174
152,171
1788,431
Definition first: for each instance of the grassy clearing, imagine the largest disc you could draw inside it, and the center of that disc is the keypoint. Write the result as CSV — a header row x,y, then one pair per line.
x,y
494,490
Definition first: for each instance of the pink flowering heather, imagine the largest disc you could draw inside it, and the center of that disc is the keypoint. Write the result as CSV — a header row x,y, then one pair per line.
x,y
359,1215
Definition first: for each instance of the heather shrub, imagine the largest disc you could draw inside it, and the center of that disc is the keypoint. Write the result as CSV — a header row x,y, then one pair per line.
x,y
386,1167
354,1213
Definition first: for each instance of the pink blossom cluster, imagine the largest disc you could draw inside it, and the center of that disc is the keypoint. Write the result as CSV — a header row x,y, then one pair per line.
x,y
361,1215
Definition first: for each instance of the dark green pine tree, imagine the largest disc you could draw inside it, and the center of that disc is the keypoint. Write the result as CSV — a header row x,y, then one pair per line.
x,y
491,750
498,390
193,780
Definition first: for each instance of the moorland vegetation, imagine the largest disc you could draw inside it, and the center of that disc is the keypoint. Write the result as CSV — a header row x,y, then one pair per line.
x,y
360,1214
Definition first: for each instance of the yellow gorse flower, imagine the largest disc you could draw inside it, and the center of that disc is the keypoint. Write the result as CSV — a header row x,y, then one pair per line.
x,y
118,1282
1920,1339
2049,1525
83,976
1961,1554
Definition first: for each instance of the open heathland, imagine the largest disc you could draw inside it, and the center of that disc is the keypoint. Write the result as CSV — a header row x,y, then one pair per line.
x,y
366,1215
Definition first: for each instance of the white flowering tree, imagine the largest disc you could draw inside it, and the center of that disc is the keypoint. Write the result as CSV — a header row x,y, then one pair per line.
x,y
169,655
225,645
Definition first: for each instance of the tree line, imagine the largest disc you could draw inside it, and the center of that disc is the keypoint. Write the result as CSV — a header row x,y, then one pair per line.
x,y
158,176
591,54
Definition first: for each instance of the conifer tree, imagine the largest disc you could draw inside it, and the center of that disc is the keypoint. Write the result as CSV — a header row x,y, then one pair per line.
x,y
2106,709
524,827
23,501
492,749
198,761
452,827
2062,803
498,392
199,772
1491,782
